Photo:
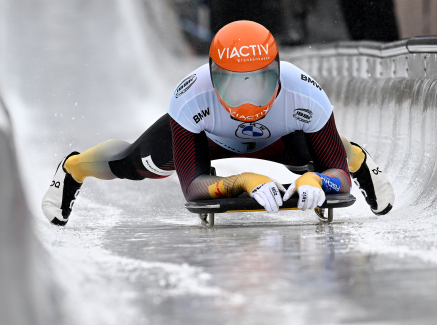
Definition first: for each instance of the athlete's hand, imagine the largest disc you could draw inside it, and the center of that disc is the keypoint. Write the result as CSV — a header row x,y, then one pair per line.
x,y
310,196
268,196
309,188
263,189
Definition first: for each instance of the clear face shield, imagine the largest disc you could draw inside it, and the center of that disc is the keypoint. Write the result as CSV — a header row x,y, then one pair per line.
x,y
238,88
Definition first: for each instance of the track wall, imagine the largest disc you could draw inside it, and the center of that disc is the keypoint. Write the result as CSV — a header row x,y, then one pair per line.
x,y
27,294
384,97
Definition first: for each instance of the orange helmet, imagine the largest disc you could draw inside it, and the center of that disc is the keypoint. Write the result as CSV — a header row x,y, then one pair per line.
x,y
244,66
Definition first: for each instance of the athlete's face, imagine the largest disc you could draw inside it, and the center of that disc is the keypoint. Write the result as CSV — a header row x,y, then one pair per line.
x,y
247,96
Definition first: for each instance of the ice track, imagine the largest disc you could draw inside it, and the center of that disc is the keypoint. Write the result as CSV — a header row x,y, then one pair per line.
x,y
76,73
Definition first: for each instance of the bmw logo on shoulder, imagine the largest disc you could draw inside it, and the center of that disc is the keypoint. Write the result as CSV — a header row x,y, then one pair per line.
x,y
252,131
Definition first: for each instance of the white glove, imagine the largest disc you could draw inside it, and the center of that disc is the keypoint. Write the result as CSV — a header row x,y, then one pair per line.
x,y
309,196
268,196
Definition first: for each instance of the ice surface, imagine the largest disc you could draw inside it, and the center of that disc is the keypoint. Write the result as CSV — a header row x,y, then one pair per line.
x,y
396,118
77,73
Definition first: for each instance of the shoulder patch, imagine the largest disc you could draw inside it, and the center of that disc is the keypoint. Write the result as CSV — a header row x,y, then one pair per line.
x,y
303,115
185,85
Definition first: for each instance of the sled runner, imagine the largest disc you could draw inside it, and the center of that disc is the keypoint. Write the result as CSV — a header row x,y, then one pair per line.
x,y
206,209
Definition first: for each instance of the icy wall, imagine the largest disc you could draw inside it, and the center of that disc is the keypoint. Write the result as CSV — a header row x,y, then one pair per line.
x,y
384,97
25,281
60,63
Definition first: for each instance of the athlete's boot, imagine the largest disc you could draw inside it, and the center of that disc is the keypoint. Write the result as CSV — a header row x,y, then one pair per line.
x,y
376,188
61,195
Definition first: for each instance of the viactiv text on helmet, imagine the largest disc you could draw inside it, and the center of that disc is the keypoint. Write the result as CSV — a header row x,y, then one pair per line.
x,y
243,46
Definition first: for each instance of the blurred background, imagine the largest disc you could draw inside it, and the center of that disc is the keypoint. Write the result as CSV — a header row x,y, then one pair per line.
x,y
298,22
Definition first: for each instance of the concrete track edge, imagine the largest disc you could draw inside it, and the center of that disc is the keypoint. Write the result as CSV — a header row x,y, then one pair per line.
x,y
28,294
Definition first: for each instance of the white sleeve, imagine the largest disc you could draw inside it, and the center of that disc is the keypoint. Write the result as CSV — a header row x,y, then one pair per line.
x,y
311,106
189,104
321,115
185,117
309,115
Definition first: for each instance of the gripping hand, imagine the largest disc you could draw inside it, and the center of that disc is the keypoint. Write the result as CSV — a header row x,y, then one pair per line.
x,y
261,188
309,187
268,195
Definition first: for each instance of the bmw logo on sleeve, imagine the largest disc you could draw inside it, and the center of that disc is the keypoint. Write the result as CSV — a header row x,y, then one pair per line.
x,y
252,131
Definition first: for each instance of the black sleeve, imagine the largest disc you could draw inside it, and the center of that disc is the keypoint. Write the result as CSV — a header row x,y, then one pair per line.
x,y
190,154
327,150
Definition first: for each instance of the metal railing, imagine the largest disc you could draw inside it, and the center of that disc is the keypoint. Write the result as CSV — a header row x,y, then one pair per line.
x,y
410,58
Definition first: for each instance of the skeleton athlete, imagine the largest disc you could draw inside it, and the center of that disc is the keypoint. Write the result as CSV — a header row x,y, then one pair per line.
x,y
244,103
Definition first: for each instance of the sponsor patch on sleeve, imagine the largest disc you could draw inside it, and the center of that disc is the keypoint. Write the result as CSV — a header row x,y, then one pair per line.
x,y
185,85
303,115
330,184
150,166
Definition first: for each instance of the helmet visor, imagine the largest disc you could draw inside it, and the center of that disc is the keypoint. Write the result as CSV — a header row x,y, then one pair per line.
x,y
238,88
